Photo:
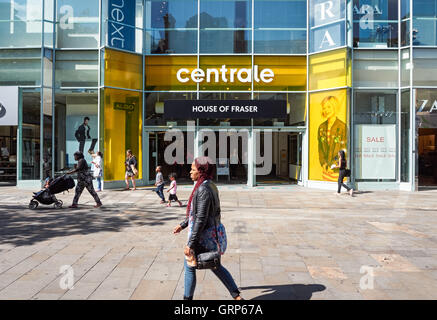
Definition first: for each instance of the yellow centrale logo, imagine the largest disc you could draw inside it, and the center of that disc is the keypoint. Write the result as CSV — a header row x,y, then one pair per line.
x,y
226,75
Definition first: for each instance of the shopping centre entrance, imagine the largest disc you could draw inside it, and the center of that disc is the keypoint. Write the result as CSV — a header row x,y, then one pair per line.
x,y
276,152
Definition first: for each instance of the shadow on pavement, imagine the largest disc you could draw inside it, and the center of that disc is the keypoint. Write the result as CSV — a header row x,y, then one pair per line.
x,y
21,226
287,291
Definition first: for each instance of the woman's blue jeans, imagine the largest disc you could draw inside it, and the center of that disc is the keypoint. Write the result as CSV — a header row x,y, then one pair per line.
x,y
160,191
99,183
222,273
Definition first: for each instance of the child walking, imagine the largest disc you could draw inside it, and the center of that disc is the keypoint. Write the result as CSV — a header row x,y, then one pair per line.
x,y
159,183
172,190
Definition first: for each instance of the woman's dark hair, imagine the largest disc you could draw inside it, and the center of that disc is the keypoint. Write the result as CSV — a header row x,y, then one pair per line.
x,y
342,154
172,175
85,119
206,169
99,153
79,155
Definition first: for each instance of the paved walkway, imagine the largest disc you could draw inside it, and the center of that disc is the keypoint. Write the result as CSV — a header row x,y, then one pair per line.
x,y
284,242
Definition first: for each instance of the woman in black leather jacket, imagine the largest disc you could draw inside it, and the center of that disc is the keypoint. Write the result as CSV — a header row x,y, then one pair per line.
x,y
203,215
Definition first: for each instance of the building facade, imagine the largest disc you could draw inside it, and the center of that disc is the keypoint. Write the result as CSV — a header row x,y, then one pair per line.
x,y
357,75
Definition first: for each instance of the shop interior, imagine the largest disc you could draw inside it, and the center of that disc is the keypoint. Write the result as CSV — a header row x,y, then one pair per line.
x,y
427,150
8,152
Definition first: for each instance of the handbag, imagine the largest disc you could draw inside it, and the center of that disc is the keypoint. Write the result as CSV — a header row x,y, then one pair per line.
x,y
210,259
134,170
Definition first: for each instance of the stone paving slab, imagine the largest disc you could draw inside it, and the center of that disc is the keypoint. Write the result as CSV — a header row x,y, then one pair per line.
x,y
284,242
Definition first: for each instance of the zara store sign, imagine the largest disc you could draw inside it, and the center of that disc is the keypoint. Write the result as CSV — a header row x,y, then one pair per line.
x,y
327,24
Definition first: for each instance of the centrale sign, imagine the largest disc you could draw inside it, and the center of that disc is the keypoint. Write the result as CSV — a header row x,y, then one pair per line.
x,y
242,75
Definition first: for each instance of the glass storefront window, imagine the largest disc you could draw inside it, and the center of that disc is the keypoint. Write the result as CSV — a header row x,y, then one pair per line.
x,y
375,23
161,72
425,22
231,62
155,107
48,68
49,6
405,32
280,26
70,110
20,67
30,135
20,23
405,135
123,70
405,9
8,155
47,133
425,67
77,24
171,26
375,145
375,68
22,10
225,26
296,108
76,69
122,130
426,108
329,70
405,67
290,73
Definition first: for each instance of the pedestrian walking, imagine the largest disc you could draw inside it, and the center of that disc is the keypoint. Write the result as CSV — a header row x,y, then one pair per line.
x,y
172,190
131,169
84,180
159,183
343,172
98,169
206,232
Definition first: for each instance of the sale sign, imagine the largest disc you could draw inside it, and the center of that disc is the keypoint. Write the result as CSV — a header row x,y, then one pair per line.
x,y
375,151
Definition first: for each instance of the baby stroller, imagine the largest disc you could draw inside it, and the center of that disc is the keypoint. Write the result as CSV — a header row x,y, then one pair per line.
x,y
47,195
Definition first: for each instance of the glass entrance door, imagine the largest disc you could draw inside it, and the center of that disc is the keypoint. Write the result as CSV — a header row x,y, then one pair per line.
x,y
281,161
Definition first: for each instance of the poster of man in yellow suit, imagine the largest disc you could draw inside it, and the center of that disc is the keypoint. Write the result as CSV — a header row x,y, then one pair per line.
x,y
328,132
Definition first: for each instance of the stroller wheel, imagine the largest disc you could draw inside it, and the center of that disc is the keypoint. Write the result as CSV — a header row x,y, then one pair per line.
x,y
58,204
33,204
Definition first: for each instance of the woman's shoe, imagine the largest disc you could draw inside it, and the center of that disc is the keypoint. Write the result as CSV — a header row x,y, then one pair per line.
x,y
73,206
168,205
98,205
238,298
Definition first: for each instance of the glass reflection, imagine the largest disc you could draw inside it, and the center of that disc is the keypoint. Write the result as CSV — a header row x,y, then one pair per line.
x,y
425,22
171,26
225,26
375,23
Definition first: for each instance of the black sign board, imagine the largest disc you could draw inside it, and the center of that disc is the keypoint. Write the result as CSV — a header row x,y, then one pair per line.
x,y
225,109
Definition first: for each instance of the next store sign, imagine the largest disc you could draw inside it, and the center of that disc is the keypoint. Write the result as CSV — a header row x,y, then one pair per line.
x,y
121,24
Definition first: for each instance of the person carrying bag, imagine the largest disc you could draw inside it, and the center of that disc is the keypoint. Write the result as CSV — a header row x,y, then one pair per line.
x,y
207,235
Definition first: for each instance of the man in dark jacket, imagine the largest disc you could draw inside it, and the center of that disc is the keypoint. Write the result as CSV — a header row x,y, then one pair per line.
x,y
82,133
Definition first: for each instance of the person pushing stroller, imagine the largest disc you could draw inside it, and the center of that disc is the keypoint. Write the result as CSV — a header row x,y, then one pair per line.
x,y
84,180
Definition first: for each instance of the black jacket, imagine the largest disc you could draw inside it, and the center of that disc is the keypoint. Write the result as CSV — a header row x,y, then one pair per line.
x,y
206,209
81,133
